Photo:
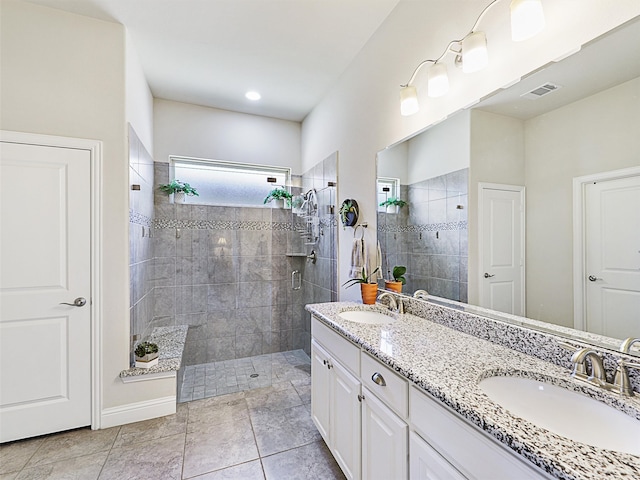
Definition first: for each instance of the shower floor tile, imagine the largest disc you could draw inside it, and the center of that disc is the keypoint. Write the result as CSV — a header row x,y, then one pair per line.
x,y
230,376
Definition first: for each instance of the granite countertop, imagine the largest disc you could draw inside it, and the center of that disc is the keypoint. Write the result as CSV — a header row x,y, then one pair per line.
x,y
170,341
449,365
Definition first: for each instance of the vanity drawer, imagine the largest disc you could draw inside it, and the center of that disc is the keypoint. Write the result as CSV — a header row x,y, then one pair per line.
x,y
390,387
473,453
342,349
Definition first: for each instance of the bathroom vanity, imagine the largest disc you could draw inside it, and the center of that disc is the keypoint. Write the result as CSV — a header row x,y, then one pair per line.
x,y
398,396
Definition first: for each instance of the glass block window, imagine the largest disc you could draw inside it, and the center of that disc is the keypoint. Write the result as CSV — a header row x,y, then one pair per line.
x,y
386,188
228,183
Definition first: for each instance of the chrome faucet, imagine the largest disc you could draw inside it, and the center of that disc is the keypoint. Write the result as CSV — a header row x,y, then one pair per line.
x,y
394,305
579,372
421,294
621,382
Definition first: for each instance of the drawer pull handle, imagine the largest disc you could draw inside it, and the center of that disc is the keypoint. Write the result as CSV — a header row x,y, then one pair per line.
x,y
378,379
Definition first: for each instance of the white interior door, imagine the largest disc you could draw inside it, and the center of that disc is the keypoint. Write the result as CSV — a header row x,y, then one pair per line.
x,y
612,254
45,346
501,282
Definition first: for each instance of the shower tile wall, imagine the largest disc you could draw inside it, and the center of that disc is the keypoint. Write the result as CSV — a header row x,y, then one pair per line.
x,y
224,271
141,172
430,235
320,280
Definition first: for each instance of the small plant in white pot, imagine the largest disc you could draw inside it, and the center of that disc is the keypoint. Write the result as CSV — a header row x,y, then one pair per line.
x,y
280,196
393,204
179,190
146,355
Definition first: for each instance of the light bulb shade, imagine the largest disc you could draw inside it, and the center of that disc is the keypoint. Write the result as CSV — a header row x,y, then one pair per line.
x,y
438,80
408,101
527,19
474,52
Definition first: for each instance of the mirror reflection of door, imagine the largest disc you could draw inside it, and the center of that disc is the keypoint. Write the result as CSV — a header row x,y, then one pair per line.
x,y
612,257
501,244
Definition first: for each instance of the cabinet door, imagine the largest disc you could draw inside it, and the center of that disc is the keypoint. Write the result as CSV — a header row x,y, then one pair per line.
x,y
427,464
384,441
345,420
320,389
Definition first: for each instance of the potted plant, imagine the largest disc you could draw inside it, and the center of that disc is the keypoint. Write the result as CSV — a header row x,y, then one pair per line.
x,y
349,212
279,195
146,355
178,189
398,279
393,204
368,289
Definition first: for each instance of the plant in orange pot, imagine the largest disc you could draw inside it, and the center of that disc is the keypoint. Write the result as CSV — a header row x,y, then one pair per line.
x,y
368,288
398,279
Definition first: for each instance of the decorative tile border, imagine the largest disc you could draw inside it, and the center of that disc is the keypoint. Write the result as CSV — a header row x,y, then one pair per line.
x,y
160,223
140,219
425,227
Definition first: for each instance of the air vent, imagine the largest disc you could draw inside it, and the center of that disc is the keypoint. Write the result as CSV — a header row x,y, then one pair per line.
x,y
541,91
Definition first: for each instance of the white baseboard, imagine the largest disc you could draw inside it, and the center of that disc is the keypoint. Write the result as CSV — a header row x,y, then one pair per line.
x,y
136,412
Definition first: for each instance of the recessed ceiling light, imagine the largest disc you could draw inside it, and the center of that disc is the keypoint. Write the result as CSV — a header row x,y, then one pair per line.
x,y
251,95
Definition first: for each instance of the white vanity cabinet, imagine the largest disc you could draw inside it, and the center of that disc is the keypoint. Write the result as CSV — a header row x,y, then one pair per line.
x,y
384,441
451,448
427,464
379,427
335,403
359,406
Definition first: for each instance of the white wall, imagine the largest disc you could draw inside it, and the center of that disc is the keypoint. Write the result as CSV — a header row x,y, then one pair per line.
x,y
203,132
442,149
497,156
393,162
139,101
360,115
64,74
597,134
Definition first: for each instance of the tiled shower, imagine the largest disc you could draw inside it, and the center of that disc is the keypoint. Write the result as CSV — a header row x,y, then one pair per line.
x,y
227,271
429,236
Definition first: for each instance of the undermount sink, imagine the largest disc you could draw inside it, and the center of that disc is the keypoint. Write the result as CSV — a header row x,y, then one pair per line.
x,y
370,317
565,413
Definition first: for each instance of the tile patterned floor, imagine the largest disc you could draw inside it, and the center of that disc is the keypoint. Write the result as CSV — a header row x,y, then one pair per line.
x,y
262,433
230,376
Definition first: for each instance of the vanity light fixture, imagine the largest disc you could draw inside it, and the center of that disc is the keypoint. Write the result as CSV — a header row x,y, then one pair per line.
x,y
527,20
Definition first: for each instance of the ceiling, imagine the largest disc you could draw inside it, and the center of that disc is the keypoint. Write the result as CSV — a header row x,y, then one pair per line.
x,y
211,52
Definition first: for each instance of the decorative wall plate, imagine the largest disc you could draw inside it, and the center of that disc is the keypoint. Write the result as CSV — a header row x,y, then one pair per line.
x,y
349,212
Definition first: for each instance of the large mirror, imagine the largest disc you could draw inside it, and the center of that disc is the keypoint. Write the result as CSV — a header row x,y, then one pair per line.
x,y
507,202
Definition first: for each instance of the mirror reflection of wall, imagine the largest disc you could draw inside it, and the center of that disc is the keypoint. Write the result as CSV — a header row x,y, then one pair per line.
x,y
429,234
587,126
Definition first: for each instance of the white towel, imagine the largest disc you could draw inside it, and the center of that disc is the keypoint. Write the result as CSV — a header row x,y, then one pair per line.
x,y
357,259
378,275
365,257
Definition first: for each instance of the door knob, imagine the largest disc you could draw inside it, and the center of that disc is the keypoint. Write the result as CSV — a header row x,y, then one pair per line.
x,y
486,275
78,302
593,279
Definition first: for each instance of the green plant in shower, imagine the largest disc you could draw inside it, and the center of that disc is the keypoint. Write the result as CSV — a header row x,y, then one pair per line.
x,y
279,193
398,274
145,348
176,186
392,201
